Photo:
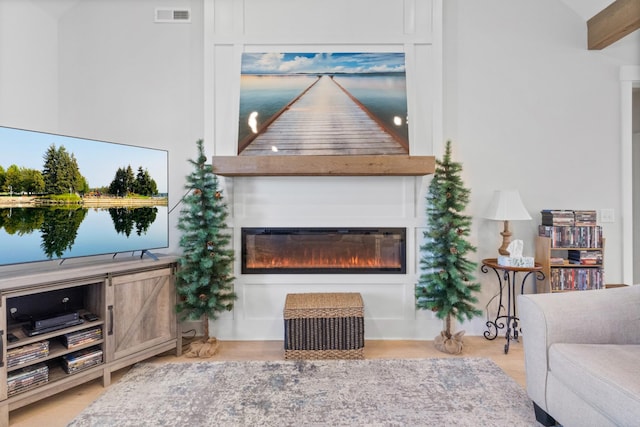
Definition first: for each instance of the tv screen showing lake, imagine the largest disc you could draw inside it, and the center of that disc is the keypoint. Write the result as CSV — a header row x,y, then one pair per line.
x,y
36,234
64,197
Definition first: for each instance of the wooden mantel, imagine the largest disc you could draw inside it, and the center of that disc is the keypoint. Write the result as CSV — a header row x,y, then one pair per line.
x,y
313,165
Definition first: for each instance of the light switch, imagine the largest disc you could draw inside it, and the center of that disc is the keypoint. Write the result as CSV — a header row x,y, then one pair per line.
x,y
607,215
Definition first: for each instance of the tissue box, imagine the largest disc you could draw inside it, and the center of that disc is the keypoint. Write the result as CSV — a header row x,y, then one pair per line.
x,y
516,261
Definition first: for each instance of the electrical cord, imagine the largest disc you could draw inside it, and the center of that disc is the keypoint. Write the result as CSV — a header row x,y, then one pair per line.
x,y
187,340
180,201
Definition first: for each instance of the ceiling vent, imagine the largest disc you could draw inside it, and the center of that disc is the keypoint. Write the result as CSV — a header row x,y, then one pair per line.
x,y
169,15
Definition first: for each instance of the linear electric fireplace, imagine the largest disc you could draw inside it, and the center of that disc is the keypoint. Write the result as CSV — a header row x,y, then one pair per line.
x,y
323,250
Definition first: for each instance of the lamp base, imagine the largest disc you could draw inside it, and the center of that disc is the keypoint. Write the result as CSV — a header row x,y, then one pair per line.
x,y
506,240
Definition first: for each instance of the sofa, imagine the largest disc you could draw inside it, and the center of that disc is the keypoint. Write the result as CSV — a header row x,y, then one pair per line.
x,y
582,356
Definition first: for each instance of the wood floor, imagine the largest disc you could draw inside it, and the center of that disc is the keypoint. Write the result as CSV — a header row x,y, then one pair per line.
x,y
59,410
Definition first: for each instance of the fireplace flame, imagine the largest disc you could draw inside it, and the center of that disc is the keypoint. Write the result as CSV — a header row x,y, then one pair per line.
x,y
311,250
323,262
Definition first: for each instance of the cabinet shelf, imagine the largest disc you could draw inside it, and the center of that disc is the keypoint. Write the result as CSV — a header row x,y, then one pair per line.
x,y
56,350
567,276
576,265
573,248
24,339
122,294
57,373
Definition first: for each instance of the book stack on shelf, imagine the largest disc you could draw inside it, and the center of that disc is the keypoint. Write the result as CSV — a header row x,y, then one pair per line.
x,y
570,248
27,378
27,353
83,337
82,359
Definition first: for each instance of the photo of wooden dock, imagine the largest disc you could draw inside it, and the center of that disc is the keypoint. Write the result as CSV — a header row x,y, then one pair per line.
x,y
324,120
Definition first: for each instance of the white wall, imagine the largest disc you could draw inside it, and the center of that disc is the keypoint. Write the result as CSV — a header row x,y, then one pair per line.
x,y
28,75
525,104
530,108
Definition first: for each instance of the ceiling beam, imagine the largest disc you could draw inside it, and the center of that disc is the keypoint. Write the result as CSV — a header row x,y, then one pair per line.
x,y
620,18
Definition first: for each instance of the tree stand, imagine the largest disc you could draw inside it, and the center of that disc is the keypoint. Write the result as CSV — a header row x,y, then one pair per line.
x,y
205,347
448,343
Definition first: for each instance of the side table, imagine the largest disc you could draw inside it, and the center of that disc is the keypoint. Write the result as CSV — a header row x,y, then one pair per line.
x,y
507,278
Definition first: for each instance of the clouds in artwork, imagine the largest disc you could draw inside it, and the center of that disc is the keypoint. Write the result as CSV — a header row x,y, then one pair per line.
x,y
289,63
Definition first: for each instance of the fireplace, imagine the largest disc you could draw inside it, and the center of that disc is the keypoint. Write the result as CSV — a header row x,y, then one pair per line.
x,y
323,250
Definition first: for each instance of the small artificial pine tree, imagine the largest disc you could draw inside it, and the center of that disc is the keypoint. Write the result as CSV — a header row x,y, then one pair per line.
x,y
444,285
205,273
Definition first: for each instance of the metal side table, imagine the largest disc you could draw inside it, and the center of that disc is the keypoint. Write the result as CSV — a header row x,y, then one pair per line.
x,y
507,279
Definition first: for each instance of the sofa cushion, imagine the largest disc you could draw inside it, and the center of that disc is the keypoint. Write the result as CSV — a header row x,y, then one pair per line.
x,y
606,376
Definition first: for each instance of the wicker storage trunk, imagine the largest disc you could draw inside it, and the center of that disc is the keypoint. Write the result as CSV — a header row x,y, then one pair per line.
x,y
324,326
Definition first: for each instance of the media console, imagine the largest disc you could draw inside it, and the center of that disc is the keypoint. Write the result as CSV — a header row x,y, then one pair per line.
x,y
64,325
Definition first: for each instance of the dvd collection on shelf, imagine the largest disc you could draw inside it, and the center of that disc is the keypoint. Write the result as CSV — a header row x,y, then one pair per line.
x,y
582,257
81,359
577,232
562,217
26,378
27,353
80,338
576,279
587,236
23,379
571,229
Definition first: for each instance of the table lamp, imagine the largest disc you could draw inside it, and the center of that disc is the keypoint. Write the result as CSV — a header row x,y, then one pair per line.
x,y
506,206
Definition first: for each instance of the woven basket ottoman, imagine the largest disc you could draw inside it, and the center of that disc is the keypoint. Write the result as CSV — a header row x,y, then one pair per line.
x,y
324,326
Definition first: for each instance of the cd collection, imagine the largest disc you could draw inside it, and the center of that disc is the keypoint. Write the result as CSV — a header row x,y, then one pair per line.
x,y
79,338
561,217
26,378
27,353
23,379
82,359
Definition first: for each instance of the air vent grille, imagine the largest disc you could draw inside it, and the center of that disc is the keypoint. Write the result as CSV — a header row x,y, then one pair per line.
x,y
167,15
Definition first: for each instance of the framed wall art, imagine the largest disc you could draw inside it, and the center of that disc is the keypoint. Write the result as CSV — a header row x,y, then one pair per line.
x,y
323,104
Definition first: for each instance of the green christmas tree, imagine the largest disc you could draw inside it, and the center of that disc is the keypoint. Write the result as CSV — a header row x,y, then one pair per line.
x,y
205,273
446,278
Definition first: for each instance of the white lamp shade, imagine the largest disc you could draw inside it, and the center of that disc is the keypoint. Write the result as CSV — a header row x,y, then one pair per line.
x,y
506,205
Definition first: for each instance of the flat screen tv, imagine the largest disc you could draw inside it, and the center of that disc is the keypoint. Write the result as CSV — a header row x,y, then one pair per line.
x,y
65,197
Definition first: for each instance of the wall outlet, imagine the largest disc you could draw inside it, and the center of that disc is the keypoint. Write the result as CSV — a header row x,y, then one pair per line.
x,y
607,215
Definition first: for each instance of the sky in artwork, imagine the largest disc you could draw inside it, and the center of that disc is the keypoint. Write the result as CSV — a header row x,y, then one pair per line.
x,y
292,63
98,160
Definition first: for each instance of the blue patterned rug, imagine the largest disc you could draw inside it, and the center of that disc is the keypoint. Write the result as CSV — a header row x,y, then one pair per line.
x,y
378,392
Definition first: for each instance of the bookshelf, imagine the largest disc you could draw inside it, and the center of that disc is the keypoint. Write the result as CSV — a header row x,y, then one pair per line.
x,y
570,248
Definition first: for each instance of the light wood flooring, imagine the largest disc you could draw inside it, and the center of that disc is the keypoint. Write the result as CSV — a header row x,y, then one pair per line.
x,y
59,410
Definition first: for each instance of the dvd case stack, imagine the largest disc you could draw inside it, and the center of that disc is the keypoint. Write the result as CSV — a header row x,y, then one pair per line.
x,y
576,279
585,218
572,237
82,359
558,217
585,257
27,378
27,353
80,338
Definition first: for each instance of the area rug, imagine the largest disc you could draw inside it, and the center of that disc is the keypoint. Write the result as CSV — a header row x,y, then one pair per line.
x,y
376,392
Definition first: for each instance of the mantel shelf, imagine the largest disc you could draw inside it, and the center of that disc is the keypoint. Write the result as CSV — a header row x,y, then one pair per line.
x,y
312,165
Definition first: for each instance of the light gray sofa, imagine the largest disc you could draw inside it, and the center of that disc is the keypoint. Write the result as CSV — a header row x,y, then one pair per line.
x,y
582,356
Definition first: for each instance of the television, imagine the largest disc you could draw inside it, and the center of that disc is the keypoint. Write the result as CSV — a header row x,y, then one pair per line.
x,y
65,197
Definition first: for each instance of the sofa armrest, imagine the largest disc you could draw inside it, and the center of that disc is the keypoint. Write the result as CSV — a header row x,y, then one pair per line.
x,y
607,316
